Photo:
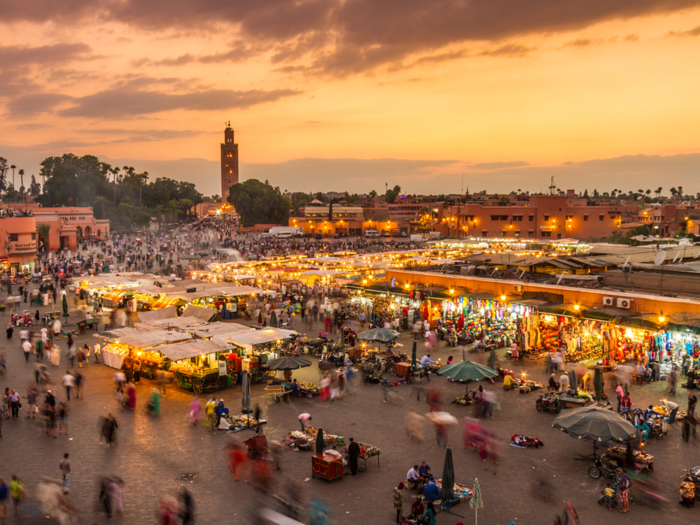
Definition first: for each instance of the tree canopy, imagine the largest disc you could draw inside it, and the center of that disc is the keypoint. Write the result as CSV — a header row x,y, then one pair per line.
x,y
259,203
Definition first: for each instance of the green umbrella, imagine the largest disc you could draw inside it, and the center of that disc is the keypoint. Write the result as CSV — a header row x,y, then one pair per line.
x,y
9,287
594,423
413,357
319,442
598,383
492,359
467,371
448,478
273,320
627,390
380,335
476,502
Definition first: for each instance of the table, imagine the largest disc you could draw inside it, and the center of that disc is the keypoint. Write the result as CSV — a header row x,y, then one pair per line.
x,y
366,458
326,466
402,369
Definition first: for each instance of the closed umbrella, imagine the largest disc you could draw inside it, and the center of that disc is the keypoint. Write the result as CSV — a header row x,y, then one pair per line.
x,y
573,381
413,357
492,358
319,442
9,287
260,319
65,306
447,494
598,383
476,502
273,320
245,390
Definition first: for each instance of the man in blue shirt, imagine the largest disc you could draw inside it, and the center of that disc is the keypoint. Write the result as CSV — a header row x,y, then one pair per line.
x,y
431,491
425,360
4,496
424,471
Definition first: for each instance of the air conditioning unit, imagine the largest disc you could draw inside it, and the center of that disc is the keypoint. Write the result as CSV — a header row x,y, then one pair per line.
x,y
518,288
624,303
608,301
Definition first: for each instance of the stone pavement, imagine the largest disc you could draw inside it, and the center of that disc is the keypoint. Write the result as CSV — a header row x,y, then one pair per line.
x,y
154,456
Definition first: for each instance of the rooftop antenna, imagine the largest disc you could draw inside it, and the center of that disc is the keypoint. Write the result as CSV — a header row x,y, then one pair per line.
x,y
552,186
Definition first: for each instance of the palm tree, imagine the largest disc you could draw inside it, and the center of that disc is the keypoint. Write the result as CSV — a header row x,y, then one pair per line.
x,y
21,180
648,192
42,230
680,192
658,191
674,191
13,175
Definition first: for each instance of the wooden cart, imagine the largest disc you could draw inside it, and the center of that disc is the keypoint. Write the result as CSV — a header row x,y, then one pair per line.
x,y
279,392
199,382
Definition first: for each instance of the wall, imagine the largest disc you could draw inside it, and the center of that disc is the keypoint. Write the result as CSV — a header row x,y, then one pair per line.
x,y
22,249
644,303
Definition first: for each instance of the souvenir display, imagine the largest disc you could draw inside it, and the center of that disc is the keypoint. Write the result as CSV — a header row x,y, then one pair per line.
x,y
521,441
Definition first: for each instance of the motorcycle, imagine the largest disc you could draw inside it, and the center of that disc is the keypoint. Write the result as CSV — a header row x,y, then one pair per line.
x,y
548,403
610,471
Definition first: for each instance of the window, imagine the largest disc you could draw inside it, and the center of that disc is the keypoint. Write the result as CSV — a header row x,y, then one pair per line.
x,y
546,234
530,234
546,218
14,237
517,234
532,218
484,233
585,218
517,218
558,235
504,234
34,236
569,217
602,217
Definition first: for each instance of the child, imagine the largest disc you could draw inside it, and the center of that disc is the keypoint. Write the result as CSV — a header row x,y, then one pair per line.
x,y
609,495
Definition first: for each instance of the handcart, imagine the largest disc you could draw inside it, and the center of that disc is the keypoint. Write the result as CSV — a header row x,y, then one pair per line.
x,y
279,392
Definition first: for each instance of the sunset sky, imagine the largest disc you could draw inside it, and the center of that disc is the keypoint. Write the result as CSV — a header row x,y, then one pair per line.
x,y
330,95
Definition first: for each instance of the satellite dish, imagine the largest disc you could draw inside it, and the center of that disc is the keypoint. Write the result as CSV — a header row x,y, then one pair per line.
x,y
660,258
676,257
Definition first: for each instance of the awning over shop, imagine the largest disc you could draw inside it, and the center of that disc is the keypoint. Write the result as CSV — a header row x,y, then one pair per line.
x,y
116,333
190,349
222,330
201,313
606,314
154,338
684,323
155,315
171,322
259,337
568,309
642,322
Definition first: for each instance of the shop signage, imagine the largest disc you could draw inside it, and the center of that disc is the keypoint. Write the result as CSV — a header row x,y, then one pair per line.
x,y
21,247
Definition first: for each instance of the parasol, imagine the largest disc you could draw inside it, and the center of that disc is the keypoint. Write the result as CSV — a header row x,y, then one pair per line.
x,y
492,359
319,442
380,335
288,363
260,318
413,357
273,320
595,423
476,502
598,383
467,371
448,478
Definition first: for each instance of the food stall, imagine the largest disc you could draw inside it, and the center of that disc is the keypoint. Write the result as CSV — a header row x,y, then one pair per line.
x,y
366,452
136,345
198,365
257,348
306,440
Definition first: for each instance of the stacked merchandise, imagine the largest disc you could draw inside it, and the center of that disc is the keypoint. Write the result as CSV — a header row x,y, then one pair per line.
x,y
307,440
461,492
366,451
641,458
240,422
308,389
521,441
549,337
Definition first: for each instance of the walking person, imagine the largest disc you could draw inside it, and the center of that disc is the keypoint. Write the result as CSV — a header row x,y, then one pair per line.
x,y
31,402
14,399
624,484
692,402
96,349
186,507
65,467
4,497
68,382
17,493
257,414
620,395
673,379
62,413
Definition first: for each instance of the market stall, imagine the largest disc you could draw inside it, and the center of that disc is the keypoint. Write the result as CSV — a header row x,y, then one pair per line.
x,y
306,440
198,365
134,344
